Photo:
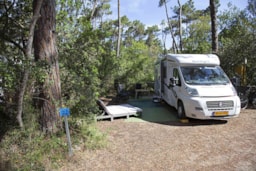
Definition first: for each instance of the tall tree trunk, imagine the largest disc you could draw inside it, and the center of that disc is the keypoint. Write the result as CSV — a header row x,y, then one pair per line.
x,y
46,52
93,10
164,37
119,31
28,55
180,25
171,28
214,26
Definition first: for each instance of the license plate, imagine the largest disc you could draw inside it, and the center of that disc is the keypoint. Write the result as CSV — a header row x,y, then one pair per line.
x,y
220,113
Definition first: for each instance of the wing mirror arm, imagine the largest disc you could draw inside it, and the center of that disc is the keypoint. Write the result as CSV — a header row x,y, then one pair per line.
x,y
172,82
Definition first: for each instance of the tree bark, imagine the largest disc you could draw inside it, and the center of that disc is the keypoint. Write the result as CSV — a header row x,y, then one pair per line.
x,y
171,28
180,25
214,26
119,30
28,55
93,10
46,52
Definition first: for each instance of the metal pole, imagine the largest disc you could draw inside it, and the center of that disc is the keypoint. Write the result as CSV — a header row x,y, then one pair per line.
x,y
68,136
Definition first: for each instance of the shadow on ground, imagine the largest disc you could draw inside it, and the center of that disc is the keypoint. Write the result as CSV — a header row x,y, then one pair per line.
x,y
5,125
164,114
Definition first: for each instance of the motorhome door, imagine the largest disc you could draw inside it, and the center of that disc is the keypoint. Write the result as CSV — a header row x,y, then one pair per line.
x,y
175,83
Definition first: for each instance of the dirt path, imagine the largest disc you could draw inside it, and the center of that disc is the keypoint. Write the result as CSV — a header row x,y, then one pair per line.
x,y
199,145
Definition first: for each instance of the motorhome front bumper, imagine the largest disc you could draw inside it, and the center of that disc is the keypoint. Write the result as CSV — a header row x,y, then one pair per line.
x,y
212,108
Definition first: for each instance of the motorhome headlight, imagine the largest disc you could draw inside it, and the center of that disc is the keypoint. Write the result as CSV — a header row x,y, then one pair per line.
x,y
192,91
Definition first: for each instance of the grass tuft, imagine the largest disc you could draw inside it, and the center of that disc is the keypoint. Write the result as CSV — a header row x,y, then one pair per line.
x,y
30,149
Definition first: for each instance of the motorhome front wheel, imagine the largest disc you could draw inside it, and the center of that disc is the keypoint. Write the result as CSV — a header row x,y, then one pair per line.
x,y
181,111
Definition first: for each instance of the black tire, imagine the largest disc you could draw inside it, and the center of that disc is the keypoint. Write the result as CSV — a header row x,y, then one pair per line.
x,y
244,101
254,102
181,110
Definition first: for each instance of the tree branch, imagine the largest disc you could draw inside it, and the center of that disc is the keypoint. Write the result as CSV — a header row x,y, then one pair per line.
x,y
28,55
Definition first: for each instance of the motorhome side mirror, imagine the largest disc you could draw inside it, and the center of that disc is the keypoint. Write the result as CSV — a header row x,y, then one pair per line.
x,y
172,82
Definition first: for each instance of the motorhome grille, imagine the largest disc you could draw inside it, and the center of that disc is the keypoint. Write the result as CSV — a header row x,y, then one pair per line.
x,y
220,104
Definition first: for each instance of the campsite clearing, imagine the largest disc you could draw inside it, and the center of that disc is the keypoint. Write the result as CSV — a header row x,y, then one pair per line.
x,y
172,145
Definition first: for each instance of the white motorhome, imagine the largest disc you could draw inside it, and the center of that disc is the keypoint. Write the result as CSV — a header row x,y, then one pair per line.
x,y
196,86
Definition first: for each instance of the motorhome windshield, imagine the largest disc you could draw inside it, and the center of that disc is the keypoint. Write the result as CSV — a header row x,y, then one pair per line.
x,y
204,75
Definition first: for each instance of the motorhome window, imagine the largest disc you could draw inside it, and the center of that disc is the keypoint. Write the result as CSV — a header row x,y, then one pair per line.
x,y
176,76
204,75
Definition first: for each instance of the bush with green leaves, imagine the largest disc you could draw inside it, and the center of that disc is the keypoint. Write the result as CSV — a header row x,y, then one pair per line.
x,y
30,149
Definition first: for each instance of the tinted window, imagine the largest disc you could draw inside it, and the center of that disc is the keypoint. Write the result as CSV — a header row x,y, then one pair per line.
x,y
203,75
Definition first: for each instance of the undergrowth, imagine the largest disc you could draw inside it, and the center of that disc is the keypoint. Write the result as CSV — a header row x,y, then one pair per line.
x,y
30,149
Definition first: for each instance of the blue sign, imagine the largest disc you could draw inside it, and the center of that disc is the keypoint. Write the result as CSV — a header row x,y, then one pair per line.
x,y
64,112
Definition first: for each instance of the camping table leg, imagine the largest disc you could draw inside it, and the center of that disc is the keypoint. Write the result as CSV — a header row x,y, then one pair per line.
x,y
140,90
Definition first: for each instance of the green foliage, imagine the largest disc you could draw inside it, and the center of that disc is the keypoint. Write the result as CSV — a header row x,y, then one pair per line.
x,y
79,70
15,17
10,77
237,42
30,149
88,60
86,134
136,65
89,66
198,39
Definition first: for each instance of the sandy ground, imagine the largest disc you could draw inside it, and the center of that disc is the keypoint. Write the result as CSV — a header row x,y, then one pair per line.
x,y
197,145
